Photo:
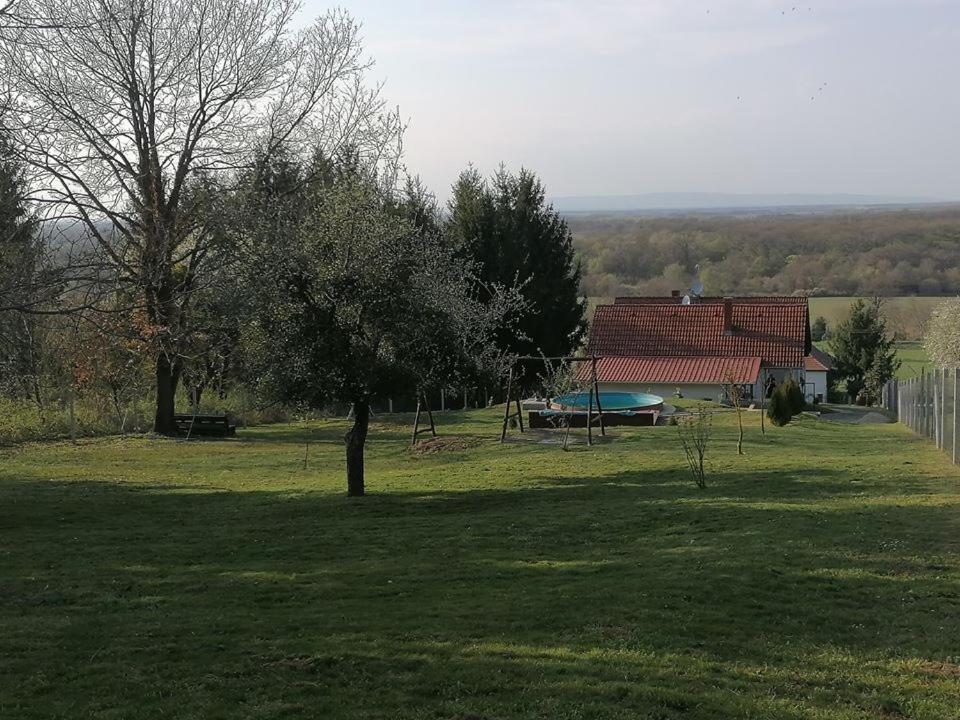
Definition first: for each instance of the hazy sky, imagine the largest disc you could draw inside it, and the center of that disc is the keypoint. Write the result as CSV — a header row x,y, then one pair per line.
x,y
620,97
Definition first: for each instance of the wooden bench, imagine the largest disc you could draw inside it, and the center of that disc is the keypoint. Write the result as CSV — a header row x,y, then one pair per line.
x,y
205,425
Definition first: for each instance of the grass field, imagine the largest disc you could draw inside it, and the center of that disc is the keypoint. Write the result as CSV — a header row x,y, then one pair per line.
x,y
818,576
902,310
913,358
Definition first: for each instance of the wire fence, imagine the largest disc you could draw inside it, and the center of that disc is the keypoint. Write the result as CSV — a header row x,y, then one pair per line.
x,y
929,406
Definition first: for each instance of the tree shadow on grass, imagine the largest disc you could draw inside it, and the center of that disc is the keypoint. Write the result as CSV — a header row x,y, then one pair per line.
x,y
627,595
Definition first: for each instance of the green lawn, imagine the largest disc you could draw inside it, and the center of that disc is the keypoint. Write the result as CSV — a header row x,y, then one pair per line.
x,y
816,577
913,358
901,311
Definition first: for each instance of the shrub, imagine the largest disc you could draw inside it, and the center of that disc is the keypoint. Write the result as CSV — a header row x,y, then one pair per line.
x,y
794,395
694,432
779,410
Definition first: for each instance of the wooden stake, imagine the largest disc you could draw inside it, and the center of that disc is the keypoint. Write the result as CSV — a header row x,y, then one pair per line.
x,y
596,390
590,417
416,422
519,413
763,400
506,407
423,402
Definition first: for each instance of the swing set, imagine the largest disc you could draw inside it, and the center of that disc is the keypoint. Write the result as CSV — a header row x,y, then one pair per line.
x,y
563,390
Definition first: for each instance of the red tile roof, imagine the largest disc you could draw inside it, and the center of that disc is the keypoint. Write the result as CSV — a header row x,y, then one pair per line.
x,y
778,333
713,299
669,370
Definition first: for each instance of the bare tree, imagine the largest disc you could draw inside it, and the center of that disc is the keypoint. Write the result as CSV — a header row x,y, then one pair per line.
x,y
694,432
128,106
942,339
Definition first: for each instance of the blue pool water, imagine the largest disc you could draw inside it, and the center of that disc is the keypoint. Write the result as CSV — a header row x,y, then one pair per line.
x,y
610,401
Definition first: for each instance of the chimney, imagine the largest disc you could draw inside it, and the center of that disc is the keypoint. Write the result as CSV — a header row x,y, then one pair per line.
x,y
674,293
728,316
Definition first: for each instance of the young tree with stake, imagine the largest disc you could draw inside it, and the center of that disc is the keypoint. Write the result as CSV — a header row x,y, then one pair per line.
x,y
735,392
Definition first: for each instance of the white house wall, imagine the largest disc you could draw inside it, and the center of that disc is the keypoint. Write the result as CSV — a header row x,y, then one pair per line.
x,y
706,391
816,385
689,390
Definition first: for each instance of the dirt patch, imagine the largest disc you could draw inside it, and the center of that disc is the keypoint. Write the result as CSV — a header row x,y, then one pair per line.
x,y
450,443
941,669
873,418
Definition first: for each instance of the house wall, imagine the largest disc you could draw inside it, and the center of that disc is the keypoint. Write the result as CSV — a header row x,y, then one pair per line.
x,y
689,390
816,385
701,391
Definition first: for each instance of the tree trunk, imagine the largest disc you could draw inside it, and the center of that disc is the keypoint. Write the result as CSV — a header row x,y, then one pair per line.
x,y
355,439
168,376
196,395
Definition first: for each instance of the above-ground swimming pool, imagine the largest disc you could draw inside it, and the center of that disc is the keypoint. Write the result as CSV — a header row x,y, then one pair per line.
x,y
609,401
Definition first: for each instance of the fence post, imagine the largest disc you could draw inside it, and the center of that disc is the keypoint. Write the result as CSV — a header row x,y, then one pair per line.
x,y
956,425
915,402
937,404
909,411
941,393
931,410
910,403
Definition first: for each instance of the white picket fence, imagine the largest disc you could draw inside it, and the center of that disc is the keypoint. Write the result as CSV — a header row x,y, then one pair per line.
x,y
928,405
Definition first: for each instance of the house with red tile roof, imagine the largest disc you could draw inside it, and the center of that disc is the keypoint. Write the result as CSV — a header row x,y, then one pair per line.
x,y
664,345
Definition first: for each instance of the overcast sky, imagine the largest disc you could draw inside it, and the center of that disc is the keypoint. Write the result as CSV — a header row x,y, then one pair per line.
x,y
635,96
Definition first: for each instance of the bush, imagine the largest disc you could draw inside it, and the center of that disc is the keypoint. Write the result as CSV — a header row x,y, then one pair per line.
x,y
794,395
779,410
23,421
694,432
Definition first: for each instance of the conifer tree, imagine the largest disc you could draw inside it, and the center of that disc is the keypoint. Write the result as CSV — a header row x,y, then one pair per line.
x,y
865,354
506,226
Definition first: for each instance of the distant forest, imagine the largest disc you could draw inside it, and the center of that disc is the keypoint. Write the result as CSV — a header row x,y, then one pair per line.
x,y
907,252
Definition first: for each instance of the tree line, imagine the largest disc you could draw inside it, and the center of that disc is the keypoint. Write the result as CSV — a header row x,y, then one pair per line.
x,y
879,253
199,195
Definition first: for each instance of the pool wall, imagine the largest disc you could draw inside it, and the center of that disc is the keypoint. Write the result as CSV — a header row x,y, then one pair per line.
x,y
643,418
609,401
695,391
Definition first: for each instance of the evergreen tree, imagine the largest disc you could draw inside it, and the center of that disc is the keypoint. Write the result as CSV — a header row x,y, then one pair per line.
x,y
778,409
509,230
17,231
865,354
19,255
794,395
818,330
